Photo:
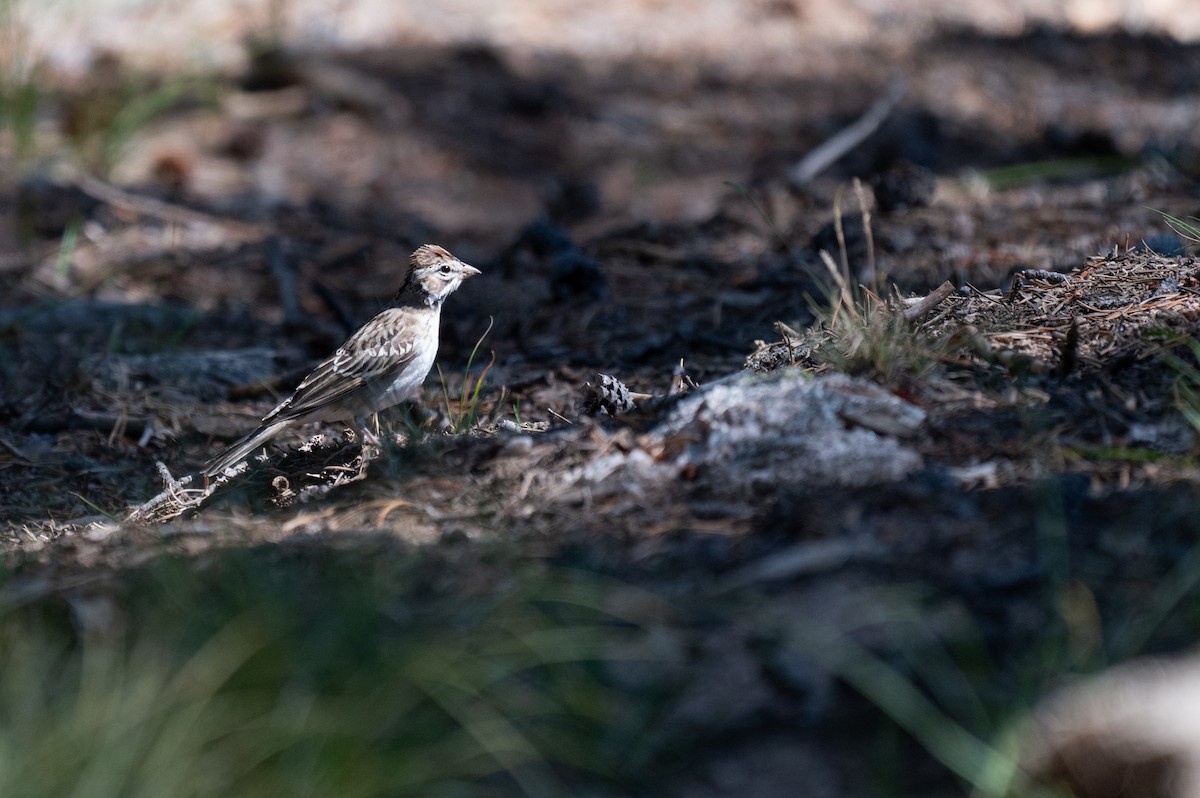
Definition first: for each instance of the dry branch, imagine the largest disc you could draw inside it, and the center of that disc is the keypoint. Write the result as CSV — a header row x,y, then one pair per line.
x,y
846,139
928,302
159,209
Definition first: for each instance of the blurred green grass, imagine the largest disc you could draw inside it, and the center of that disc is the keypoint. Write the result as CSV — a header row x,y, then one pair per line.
x,y
313,671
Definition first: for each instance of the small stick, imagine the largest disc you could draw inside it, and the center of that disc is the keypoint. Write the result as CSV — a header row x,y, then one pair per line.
x,y
158,209
847,138
786,331
12,449
927,303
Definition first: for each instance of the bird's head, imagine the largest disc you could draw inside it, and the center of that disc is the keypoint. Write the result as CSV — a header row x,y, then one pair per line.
x,y
434,274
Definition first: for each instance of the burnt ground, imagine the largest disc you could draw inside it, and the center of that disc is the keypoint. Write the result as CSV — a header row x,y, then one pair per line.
x,y
629,216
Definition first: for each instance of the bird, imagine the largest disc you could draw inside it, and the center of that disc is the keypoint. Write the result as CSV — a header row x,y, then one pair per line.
x,y
379,366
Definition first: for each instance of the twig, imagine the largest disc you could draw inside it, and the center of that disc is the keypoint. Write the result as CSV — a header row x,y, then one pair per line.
x,y
787,332
12,449
158,209
927,303
847,138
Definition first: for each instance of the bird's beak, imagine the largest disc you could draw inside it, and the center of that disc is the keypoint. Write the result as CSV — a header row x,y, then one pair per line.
x,y
468,270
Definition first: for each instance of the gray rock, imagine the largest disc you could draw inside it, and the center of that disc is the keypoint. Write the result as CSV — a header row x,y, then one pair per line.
x,y
789,427
748,434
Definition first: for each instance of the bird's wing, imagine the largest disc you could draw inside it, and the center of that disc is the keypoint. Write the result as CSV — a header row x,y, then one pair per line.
x,y
376,353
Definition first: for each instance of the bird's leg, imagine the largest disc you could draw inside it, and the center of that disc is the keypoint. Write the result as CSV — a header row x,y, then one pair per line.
x,y
364,431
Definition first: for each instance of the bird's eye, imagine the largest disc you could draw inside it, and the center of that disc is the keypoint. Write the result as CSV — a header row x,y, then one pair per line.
x,y
445,268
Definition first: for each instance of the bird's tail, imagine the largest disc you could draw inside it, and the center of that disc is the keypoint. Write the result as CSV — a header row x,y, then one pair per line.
x,y
236,452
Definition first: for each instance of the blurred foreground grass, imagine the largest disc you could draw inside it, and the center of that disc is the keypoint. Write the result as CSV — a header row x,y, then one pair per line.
x,y
337,673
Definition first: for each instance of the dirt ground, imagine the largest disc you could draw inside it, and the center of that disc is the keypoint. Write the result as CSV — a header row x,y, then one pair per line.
x,y
633,210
